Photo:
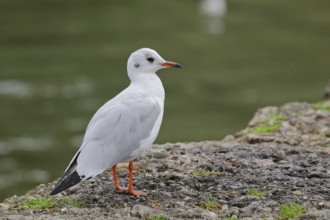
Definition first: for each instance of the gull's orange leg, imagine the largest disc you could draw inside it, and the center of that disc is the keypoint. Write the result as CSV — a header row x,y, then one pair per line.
x,y
129,189
130,182
115,180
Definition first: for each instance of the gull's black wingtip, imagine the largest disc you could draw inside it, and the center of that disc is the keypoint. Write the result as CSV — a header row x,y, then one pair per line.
x,y
177,65
68,182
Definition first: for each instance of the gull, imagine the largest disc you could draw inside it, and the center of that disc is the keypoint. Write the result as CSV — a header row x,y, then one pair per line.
x,y
124,126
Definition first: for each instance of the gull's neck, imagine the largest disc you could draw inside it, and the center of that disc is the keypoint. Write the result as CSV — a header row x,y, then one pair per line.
x,y
149,83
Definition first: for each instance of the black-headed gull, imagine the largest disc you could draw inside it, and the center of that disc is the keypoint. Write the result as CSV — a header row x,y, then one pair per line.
x,y
124,126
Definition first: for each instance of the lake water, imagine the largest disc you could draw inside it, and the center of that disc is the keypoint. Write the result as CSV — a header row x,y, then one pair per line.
x,y
60,60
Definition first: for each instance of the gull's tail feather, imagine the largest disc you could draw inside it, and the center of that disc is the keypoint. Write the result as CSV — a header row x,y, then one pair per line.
x,y
66,183
69,178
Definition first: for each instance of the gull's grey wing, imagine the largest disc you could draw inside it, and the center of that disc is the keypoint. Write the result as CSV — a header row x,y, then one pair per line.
x,y
116,131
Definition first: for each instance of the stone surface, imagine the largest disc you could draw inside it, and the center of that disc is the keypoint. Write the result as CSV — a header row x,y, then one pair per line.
x,y
290,165
146,212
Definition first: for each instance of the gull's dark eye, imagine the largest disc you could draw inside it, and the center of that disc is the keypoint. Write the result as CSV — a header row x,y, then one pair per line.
x,y
150,59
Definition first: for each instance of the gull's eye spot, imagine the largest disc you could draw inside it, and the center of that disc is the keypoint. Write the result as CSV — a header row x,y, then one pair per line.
x,y
150,59
136,65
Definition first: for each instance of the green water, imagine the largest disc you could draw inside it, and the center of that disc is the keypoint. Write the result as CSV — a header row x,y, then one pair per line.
x,y
60,60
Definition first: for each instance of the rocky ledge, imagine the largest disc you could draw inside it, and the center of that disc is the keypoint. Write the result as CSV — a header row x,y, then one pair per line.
x,y
276,168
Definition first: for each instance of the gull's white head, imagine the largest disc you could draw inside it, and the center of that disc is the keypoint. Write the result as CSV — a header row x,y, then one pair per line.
x,y
147,60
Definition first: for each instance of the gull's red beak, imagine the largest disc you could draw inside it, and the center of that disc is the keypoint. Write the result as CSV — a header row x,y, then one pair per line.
x,y
168,64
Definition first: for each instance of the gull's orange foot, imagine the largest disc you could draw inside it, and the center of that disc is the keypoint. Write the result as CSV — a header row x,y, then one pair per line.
x,y
119,188
136,193
131,191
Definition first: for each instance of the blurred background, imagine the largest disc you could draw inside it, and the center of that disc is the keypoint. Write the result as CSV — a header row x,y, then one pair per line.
x,y
60,60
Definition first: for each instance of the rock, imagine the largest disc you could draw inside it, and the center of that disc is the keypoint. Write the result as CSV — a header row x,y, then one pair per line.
x,y
146,212
194,213
319,215
317,175
289,165
209,215
298,124
205,166
159,155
